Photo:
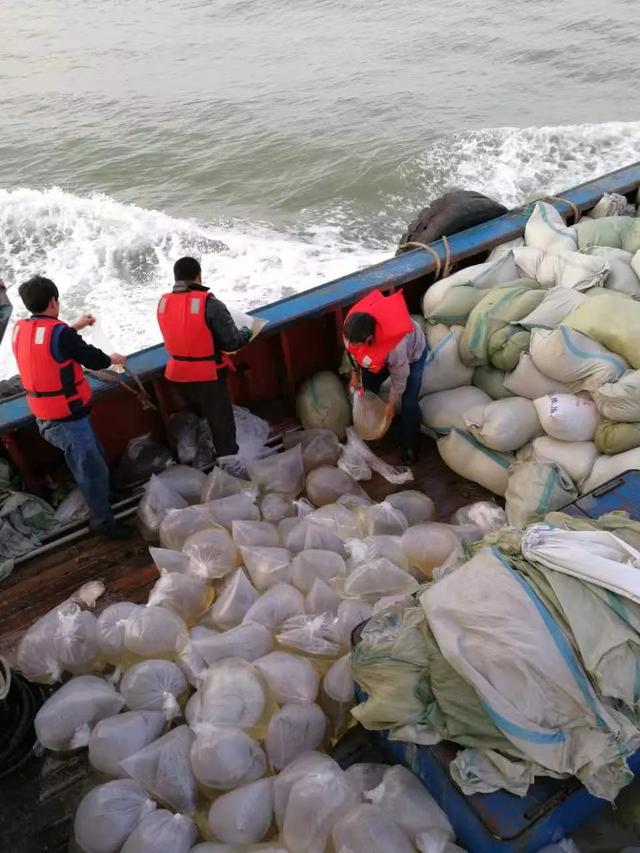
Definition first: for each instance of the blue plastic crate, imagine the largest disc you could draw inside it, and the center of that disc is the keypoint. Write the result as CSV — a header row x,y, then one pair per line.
x,y
621,492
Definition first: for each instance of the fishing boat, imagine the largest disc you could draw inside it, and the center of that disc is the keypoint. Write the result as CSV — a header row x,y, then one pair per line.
x,y
303,336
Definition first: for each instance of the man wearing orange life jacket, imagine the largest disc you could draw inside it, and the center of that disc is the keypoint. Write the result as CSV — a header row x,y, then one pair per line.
x,y
50,355
384,341
198,330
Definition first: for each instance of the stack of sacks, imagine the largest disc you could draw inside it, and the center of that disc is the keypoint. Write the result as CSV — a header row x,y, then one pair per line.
x,y
221,687
532,388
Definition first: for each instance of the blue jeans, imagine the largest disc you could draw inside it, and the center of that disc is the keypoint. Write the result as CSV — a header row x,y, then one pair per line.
x,y
85,457
410,413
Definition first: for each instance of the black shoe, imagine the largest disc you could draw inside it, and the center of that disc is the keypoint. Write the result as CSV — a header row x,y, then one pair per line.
x,y
408,456
114,531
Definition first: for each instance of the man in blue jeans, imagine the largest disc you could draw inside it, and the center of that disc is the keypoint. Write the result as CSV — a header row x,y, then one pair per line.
x,y
385,342
50,355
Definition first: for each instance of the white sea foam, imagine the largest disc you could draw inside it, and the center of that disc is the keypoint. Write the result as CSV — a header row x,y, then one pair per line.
x,y
116,259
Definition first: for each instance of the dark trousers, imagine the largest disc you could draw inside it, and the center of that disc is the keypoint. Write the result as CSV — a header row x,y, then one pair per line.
x,y
410,412
85,457
211,400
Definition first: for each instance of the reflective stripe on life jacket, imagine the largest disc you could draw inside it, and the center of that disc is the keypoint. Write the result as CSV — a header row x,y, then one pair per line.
x,y
54,389
393,323
187,338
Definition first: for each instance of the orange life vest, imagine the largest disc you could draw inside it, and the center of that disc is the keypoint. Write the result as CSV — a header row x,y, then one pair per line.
x,y
54,389
393,323
187,338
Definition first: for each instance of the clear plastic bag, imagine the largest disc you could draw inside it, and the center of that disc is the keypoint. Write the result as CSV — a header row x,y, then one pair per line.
x,y
220,484
326,484
66,719
371,581
193,665
233,602
185,427
188,482
310,534
257,534
108,814
212,553
339,519
351,613
155,632
240,507
486,515
278,603
310,635
276,507
223,758
282,473
154,685
248,641
315,803
312,564
111,629
370,417
116,738
179,524
291,678
322,403
186,595
157,500
429,545
307,764
267,566
338,682
243,816
405,799
294,730
164,769
359,461
383,520
162,831
373,548
415,506
234,693
367,829
321,599
72,508
319,447
142,457
366,776
252,434
168,560
65,639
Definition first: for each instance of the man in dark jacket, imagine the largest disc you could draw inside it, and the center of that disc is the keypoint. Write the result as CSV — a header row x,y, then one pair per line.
x,y
198,331
50,355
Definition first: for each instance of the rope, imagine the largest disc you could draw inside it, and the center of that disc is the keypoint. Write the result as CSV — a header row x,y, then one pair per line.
x,y
5,679
447,256
139,392
574,208
413,244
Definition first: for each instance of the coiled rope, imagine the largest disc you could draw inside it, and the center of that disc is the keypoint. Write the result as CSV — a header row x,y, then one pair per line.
x,y
446,270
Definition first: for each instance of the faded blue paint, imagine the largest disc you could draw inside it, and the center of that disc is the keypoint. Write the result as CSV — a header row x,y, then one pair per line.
x,y
395,272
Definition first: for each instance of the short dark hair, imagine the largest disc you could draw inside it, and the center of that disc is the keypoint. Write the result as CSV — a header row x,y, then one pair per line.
x,y
186,269
358,327
37,293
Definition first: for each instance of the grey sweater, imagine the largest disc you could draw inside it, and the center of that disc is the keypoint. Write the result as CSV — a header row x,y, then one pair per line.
x,y
403,356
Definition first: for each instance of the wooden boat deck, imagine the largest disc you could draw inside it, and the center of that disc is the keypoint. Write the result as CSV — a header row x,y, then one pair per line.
x,y
38,802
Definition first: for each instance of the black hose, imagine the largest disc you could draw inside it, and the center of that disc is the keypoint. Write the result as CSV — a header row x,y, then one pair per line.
x,y
17,734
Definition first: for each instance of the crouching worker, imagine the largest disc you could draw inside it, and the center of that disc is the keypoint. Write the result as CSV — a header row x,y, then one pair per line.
x,y
50,355
384,341
198,330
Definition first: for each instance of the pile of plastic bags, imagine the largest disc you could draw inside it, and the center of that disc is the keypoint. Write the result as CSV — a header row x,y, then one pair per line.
x,y
532,384
207,709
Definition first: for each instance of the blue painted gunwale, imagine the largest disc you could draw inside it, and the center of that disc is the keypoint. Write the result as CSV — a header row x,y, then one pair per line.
x,y
395,272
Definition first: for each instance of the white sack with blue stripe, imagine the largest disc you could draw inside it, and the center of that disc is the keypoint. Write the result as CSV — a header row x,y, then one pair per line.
x,y
443,368
497,634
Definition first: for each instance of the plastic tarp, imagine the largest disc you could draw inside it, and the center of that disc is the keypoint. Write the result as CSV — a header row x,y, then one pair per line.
x,y
512,648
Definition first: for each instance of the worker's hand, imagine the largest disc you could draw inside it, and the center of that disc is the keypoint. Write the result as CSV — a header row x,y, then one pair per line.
x,y
354,382
390,410
116,358
83,321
